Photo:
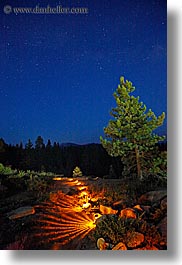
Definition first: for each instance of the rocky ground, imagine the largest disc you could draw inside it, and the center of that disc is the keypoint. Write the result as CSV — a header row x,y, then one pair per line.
x,y
84,213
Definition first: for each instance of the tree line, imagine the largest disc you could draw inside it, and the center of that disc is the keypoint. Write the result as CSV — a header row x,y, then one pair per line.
x,y
60,158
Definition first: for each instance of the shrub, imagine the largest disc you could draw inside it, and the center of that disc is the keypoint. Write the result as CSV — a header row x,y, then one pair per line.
x,y
6,170
115,229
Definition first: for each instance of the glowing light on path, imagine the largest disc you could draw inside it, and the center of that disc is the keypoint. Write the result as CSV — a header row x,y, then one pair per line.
x,y
61,221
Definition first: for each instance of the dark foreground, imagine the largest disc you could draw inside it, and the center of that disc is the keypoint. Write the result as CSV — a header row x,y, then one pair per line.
x,y
85,214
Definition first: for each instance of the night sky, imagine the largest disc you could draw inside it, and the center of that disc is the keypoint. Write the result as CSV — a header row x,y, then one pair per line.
x,y
58,72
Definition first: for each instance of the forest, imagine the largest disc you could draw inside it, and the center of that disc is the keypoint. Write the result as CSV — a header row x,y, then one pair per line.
x,y
62,158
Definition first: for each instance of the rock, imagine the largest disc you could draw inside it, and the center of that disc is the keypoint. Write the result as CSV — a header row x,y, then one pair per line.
x,y
138,207
93,178
163,204
162,226
102,244
128,213
107,210
152,197
120,246
21,212
135,239
96,216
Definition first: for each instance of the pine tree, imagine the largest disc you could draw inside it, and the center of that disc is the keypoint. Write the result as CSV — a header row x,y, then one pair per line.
x,y
39,143
77,172
48,145
29,145
130,134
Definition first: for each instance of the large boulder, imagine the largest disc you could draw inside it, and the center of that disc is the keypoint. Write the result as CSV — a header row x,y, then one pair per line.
x,y
152,197
21,212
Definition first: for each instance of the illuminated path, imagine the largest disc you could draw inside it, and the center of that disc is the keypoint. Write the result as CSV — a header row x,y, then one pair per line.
x,y
61,221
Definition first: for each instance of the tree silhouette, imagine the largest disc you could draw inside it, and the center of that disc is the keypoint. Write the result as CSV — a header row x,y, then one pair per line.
x,y
29,145
39,143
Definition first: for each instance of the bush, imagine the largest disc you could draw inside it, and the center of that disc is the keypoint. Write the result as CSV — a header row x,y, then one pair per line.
x,y
115,229
6,170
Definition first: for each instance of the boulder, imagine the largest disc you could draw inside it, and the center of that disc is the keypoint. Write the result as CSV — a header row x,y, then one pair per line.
x,y
120,246
135,239
107,210
21,212
102,244
162,226
152,197
128,213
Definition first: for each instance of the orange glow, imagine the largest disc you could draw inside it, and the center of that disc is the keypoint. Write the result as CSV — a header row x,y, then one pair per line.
x,y
83,193
79,183
62,220
71,226
82,188
57,178
75,182
86,205
94,199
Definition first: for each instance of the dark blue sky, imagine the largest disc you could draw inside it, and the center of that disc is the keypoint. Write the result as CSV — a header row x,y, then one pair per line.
x,y
58,71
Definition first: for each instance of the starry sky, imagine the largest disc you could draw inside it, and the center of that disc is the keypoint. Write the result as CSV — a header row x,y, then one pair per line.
x,y
58,72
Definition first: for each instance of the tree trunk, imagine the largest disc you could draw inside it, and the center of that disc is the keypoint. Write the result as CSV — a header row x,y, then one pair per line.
x,y
139,171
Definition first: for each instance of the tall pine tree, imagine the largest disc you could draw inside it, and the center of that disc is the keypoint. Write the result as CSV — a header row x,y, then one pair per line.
x,y
130,134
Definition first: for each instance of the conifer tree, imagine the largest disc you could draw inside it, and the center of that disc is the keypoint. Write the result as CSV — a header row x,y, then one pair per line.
x,y
130,134
39,143
77,172
29,145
